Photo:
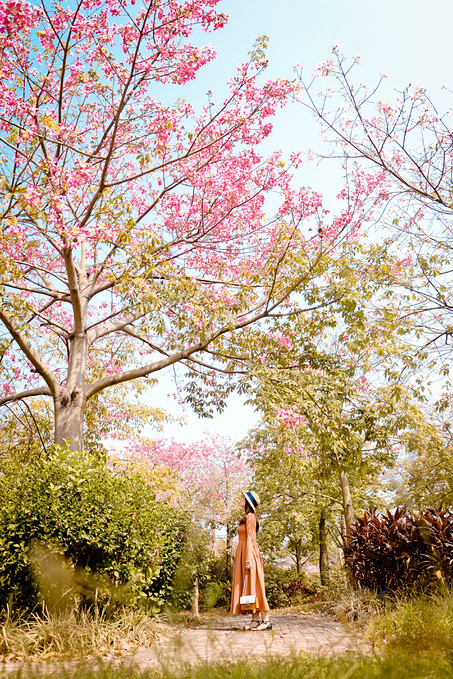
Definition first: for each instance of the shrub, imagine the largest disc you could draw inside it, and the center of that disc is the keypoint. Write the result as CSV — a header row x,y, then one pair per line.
x,y
71,520
436,527
284,586
399,551
217,589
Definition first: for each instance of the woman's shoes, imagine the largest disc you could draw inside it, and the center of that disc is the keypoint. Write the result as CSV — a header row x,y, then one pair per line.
x,y
253,625
263,625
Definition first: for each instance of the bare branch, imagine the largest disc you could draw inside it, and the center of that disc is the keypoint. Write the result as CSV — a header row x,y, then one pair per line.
x,y
39,391
97,332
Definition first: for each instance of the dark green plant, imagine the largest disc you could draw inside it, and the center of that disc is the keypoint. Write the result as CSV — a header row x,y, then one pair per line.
x,y
386,551
398,551
72,520
436,527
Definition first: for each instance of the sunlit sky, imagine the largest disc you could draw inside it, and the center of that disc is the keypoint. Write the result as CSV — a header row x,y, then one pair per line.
x,y
409,40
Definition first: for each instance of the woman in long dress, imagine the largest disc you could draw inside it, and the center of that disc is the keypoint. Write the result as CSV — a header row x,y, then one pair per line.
x,y
248,566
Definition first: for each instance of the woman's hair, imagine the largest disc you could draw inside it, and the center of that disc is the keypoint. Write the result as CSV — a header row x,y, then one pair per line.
x,y
249,510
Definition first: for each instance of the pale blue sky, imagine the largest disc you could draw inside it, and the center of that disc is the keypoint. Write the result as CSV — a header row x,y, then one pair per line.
x,y
410,40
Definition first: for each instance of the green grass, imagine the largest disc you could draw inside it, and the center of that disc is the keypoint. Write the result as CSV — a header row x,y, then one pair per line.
x,y
417,625
392,666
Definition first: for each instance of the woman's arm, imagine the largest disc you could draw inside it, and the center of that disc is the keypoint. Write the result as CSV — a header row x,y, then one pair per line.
x,y
250,526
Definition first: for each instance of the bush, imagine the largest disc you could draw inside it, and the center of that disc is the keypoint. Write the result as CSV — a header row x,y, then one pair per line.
x,y
399,551
217,589
284,586
80,526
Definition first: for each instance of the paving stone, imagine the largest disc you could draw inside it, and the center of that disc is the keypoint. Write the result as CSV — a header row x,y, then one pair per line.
x,y
225,639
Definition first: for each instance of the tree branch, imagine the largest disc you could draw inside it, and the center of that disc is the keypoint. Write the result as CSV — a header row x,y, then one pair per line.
x,y
39,391
96,333
143,371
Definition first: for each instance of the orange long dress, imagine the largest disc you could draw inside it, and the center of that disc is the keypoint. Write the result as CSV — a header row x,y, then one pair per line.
x,y
248,551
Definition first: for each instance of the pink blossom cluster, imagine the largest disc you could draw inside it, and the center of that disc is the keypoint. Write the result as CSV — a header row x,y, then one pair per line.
x,y
17,16
298,450
291,417
210,471
362,384
324,68
284,340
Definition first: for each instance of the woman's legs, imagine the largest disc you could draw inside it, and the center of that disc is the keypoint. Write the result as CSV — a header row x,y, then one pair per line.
x,y
255,621
265,622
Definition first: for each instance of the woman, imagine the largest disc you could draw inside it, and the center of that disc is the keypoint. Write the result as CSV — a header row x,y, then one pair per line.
x,y
248,572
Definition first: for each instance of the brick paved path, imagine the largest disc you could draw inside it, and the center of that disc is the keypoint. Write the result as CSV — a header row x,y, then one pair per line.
x,y
226,639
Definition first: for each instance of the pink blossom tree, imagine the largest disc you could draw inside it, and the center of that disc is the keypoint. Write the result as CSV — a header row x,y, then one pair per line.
x,y
209,473
204,477
138,234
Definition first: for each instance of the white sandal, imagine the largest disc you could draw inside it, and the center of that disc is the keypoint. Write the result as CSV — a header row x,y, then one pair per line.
x,y
253,625
263,625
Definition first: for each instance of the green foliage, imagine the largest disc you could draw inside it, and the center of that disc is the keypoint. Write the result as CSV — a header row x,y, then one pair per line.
x,y
325,414
71,520
285,587
397,551
27,430
322,414
428,472
217,591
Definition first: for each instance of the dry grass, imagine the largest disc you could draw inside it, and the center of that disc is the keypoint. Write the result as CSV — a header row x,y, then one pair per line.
x,y
357,606
184,619
79,634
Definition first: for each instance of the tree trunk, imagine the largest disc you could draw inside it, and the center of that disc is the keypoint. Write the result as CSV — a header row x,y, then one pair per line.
x,y
298,557
348,512
69,404
323,553
229,551
347,505
69,413
195,597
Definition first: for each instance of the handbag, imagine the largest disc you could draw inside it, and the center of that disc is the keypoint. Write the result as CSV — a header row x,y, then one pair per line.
x,y
248,602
